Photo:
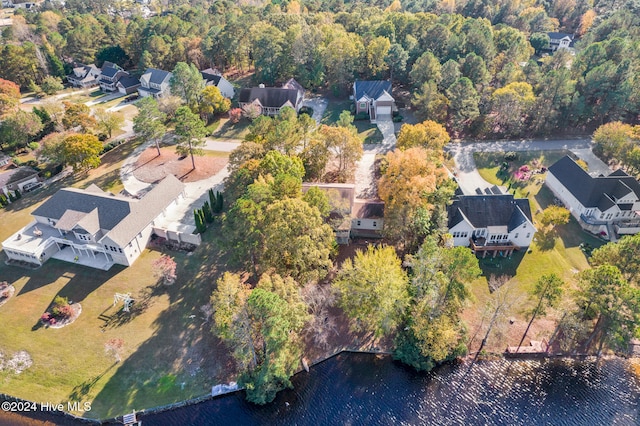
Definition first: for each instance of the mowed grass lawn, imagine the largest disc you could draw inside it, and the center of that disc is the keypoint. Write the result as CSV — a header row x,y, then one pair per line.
x,y
169,353
368,132
562,256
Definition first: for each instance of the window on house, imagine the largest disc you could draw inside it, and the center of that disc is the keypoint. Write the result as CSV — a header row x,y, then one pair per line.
x,y
358,223
601,215
528,235
516,236
375,224
363,105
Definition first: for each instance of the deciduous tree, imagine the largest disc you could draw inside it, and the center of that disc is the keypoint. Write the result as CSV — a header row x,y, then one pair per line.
x,y
108,121
427,134
81,151
373,290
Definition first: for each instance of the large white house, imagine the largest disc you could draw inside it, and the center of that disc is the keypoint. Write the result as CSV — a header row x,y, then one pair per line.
x,y
491,223
93,227
605,205
154,82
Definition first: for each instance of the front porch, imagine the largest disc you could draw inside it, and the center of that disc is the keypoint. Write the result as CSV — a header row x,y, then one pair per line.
x,y
504,248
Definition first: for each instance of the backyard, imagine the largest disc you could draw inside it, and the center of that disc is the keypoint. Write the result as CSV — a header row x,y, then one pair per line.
x,y
561,254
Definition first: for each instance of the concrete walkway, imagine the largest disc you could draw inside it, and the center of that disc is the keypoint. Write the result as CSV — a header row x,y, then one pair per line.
x,y
467,173
365,181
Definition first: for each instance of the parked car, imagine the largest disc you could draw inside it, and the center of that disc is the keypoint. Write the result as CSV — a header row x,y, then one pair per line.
x,y
131,98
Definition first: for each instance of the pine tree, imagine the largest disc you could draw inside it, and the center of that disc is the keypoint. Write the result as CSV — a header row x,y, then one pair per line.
x,y
200,226
208,214
213,201
219,202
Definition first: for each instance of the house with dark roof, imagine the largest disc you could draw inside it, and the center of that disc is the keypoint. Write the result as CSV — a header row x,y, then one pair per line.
x,y
272,99
16,178
109,77
213,77
367,218
497,223
154,82
84,75
93,227
560,41
127,84
374,98
605,205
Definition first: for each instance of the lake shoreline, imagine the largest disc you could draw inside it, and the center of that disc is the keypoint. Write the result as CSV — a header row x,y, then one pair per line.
x,y
56,416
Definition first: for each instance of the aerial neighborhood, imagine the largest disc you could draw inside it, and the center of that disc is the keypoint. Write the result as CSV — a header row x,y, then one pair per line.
x,y
221,195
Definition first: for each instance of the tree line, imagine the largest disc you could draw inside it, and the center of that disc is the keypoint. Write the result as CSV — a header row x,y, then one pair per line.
x,y
471,66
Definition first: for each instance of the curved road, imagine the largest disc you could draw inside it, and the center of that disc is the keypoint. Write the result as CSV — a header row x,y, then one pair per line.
x,y
467,173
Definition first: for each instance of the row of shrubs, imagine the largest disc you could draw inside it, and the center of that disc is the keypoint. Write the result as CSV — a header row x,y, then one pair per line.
x,y
13,196
205,215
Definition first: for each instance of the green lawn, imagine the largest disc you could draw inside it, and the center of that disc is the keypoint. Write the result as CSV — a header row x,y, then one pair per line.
x,y
560,255
367,131
228,130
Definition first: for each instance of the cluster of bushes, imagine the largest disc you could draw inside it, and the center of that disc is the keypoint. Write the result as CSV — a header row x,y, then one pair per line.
x,y
108,147
13,196
60,310
205,215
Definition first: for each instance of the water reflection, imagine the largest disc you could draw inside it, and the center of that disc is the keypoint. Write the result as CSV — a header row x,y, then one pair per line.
x,y
355,389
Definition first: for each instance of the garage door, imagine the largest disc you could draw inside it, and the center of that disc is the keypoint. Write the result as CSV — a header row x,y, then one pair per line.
x,y
384,110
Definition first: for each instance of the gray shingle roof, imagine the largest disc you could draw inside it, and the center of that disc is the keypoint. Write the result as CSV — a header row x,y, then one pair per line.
x,y
372,89
111,210
110,71
128,81
14,175
368,209
121,218
272,97
589,191
490,210
157,76
147,209
209,75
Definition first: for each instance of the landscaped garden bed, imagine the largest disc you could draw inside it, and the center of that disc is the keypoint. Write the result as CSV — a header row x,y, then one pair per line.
x,y
6,291
61,313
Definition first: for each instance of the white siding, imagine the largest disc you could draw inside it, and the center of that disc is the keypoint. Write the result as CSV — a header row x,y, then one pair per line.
x,y
559,190
461,234
368,224
522,235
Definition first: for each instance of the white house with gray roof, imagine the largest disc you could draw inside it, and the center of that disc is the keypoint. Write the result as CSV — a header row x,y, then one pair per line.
x,y
602,205
494,223
154,82
93,227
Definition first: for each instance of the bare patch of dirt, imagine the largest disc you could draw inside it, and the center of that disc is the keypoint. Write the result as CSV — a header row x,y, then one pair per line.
x,y
151,168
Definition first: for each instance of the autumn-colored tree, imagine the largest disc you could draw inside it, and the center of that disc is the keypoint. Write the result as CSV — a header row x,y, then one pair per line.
x,y
164,269
19,128
9,96
553,216
81,151
345,145
212,102
77,115
427,134
410,179
108,121
511,105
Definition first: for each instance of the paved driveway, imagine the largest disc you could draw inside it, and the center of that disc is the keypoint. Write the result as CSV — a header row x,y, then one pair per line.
x,y
364,179
318,104
467,173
